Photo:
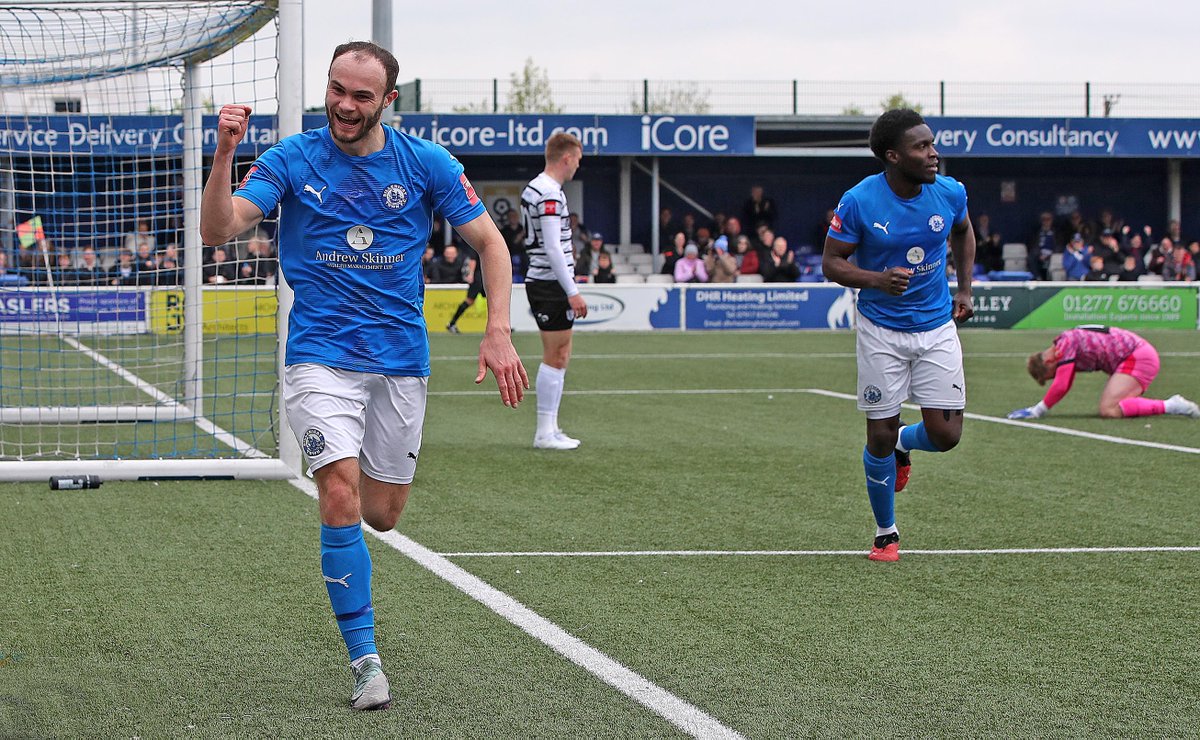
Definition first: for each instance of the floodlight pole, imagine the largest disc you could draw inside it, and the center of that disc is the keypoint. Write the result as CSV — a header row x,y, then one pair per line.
x,y
381,23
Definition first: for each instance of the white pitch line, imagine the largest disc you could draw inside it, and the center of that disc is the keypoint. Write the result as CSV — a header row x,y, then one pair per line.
x,y
685,716
807,553
203,423
754,356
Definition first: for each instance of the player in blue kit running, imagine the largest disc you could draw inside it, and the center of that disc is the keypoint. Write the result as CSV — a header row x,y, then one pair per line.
x,y
895,227
357,201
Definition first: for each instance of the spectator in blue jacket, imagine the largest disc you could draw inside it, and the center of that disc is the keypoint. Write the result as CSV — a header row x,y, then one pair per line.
x,y
1076,258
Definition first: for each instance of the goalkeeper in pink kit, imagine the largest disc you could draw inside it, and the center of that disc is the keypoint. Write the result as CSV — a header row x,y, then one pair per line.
x,y
1129,360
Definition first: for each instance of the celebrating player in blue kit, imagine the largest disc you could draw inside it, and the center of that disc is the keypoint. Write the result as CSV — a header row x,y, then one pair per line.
x,y
895,226
357,201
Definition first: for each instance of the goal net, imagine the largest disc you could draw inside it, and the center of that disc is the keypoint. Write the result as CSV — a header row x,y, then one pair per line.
x,y
127,348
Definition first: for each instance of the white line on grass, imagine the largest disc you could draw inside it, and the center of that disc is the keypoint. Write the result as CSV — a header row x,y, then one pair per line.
x,y
166,401
751,356
805,553
678,712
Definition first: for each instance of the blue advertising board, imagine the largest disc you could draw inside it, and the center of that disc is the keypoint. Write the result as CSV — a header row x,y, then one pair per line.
x,y
41,306
1066,137
462,134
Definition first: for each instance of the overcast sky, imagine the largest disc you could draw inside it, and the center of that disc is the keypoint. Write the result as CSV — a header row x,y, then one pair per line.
x,y
868,40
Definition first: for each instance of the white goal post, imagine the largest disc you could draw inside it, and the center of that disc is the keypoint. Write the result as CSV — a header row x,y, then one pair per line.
x,y
129,350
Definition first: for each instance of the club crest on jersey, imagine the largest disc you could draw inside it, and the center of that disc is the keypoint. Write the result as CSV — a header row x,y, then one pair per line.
x,y
395,196
313,442
915,256
872,395
936,223
359,237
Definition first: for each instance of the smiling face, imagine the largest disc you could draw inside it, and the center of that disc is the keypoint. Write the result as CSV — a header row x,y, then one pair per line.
x,y
354,102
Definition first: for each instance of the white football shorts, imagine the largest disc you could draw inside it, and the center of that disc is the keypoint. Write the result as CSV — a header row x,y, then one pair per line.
x,y
337,414
895,366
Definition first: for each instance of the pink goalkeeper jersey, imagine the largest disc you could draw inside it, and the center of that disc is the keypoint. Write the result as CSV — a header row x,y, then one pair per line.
x,y
1096,348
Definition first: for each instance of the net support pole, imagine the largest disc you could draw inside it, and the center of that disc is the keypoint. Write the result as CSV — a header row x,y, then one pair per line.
x,y
193,331
291,114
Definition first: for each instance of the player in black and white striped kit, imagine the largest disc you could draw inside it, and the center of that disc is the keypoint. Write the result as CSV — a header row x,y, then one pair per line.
x,y
550,282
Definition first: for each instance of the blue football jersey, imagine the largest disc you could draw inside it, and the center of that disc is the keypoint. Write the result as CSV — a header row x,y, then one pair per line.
x,y
893,232
351,235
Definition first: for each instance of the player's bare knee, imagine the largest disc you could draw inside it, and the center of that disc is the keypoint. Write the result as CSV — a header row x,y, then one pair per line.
x,y
1111,412
945,439
382,521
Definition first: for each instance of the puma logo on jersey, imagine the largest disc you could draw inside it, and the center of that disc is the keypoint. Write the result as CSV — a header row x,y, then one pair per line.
x,y
882,227
318,193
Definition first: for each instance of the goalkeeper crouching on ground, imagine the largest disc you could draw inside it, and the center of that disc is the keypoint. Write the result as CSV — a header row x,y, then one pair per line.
x,y
358,199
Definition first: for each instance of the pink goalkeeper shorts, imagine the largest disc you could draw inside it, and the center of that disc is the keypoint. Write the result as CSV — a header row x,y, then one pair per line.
x,y
1142,364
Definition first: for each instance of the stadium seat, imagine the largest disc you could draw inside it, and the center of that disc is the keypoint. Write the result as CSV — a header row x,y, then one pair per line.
x,y
632,278
750,278
660,278
640,258
1055,269
623,269
1150,278
1010,275
1015,256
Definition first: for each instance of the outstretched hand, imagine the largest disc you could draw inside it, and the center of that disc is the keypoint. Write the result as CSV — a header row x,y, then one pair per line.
x,y
1030,412
496,353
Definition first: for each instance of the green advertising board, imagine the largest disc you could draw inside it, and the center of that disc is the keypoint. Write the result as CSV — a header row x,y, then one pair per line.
x,y
1029,306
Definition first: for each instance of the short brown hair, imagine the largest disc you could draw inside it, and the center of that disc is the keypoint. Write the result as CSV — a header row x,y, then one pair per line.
x,y
391,67
560,143
1037,368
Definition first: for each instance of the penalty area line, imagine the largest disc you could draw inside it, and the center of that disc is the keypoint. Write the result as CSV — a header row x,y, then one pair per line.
x,y
683,715
812,553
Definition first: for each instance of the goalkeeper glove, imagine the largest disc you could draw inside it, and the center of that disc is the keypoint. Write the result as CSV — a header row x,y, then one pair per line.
x,y
1036,411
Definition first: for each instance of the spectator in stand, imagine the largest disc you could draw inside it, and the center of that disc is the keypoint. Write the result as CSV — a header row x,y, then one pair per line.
x,y
579,235
690,268
1077,224
1179,266
758,208
989,253
1109,250
1096,272
169,269
672,254
733,229
140,235
604,273
124,272
718,223
1175,232
65,272
1043,244
1076,258
448,268
219,269
689,226
437,236
766,237
10,278
1156,258
721,266
1131,270
260,265
1194,250
983,228
89,271
780,265
427,260
514,236
666,229
586,262
747,256
703,240
145,265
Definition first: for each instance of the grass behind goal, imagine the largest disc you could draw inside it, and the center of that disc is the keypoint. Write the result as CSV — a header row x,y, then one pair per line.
x,y
196,609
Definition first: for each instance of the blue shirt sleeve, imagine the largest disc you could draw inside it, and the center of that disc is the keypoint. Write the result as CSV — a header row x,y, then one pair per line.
x,y
266,182
452,194
847,224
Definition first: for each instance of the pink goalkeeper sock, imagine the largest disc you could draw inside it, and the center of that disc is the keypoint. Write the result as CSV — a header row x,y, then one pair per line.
x,y
1141,407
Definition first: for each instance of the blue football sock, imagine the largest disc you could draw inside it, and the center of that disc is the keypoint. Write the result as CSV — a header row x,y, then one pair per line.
x,y
914,437
346,566
881,487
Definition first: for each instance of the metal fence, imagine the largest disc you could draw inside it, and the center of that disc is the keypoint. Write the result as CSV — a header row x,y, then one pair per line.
x,y
811,98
